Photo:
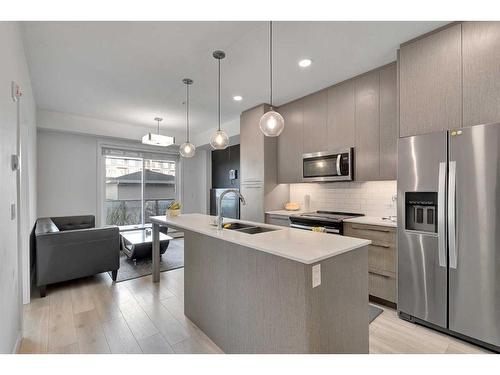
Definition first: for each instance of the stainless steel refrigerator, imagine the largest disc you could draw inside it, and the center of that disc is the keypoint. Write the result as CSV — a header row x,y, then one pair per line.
x,y
230,204
449,235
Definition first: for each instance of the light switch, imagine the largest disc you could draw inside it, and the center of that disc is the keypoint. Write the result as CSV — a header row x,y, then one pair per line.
x,y
316,275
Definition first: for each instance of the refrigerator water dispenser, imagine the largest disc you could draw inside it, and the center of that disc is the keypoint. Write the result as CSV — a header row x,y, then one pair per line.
x,y
421,211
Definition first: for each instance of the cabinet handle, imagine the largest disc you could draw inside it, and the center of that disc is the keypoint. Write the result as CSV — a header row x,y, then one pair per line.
x,y
385,246
379,273
372,229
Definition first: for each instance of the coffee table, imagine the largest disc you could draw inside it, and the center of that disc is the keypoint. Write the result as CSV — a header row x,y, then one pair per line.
x,y
136,244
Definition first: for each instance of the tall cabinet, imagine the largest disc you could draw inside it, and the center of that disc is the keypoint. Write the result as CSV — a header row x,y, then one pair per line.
x,y
258,168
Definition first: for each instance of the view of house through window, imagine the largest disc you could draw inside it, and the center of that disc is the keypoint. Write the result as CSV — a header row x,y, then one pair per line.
x,y
137,188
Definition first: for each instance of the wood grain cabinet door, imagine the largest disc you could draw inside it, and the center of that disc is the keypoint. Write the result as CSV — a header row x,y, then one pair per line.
x,y
388,122
481,72
251,146
290,143
341,116
367,149
431,83
315,118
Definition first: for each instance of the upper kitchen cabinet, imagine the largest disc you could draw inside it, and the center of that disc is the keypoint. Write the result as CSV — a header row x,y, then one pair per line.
x,y
481,72
367,142
315,118
341,116
251,146
431,82
388,122
290,144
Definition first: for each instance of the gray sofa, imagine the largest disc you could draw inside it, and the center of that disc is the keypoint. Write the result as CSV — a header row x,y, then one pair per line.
x,y
71,247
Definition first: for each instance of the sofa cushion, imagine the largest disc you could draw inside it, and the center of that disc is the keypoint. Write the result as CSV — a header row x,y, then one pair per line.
x,y
74,222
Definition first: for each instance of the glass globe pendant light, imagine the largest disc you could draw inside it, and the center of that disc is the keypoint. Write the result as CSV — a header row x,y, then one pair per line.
x,y
271,123
187,149
219,140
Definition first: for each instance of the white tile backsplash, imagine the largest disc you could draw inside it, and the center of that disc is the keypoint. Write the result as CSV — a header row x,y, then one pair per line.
x,y
373,198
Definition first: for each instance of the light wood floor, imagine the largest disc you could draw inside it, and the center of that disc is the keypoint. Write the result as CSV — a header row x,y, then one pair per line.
x,y
93,315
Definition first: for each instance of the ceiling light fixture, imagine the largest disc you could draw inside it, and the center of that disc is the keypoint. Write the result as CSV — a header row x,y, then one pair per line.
x,y
271,123
219,140
187,149
305,63
158,139
237,98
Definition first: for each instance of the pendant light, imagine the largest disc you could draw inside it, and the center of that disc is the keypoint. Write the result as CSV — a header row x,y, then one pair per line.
x,y
219,140
271,123
158,139
187,149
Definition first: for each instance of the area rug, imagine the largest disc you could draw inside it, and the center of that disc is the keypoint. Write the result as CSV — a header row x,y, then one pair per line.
x,y
373,312
172,259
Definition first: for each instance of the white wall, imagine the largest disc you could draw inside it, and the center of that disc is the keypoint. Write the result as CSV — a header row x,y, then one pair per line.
x,y
69,181
67,174
373,198
14,256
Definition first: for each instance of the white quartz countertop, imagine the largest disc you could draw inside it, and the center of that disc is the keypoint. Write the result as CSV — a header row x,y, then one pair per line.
x,y
295,244
285,212
372,220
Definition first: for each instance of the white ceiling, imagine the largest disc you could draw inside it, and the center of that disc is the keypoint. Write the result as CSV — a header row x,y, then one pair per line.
x,y
131,72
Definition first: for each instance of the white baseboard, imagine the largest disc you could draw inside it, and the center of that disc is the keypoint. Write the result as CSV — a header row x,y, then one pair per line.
x,y
17,344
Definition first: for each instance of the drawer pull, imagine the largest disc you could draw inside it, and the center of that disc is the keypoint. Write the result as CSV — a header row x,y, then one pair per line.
x,y
372,229
380,273
385,246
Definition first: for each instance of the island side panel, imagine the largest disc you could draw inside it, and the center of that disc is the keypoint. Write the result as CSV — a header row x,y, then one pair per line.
x,y
338,308
249,301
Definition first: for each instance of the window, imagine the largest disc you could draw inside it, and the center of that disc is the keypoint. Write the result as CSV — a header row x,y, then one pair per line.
x,y
137,187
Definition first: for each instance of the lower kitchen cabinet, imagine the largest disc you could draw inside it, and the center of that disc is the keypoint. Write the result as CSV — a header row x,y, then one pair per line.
x,y
382,259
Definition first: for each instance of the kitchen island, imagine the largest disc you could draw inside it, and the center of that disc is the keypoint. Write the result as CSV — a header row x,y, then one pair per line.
x,y
280,291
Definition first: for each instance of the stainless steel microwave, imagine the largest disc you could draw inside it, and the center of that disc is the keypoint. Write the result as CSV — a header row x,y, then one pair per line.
x,y
328,166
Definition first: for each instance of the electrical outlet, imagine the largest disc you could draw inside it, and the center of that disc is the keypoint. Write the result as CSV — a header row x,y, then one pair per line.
x,y
316,275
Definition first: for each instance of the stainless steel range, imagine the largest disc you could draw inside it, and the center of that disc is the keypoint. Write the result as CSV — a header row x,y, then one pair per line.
x,y
331,221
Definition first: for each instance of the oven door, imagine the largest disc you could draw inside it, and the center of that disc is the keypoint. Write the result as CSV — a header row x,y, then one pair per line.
x,y
307,227
327,166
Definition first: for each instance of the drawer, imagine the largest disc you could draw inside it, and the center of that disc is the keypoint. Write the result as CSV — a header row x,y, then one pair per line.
x,y
382,257
371,232
382,286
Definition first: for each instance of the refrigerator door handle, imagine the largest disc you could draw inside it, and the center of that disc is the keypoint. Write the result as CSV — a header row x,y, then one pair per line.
x,y
452,232
442,215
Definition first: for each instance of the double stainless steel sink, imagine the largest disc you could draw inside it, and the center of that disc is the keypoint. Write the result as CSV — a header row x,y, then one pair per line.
x,y
247,228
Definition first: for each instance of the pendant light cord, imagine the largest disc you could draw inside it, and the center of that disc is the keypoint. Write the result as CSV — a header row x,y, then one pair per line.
x,y
187,112
218,98
158,127
271,62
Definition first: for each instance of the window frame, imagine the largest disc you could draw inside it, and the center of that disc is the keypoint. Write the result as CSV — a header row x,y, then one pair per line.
x,y
166,155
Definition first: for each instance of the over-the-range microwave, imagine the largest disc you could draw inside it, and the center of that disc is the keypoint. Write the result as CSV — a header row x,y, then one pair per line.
x,y
328,166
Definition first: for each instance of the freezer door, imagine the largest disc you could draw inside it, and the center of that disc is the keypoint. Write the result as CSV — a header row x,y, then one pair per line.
x,y
422,272
474,232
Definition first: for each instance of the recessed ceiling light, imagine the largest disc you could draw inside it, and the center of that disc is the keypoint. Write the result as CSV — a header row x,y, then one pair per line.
x,y
305,63
237,98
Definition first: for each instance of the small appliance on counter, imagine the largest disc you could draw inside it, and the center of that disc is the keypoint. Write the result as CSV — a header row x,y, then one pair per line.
x,y
332,222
